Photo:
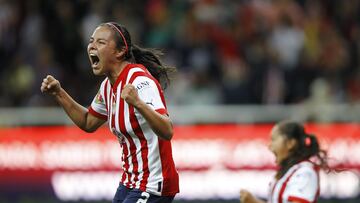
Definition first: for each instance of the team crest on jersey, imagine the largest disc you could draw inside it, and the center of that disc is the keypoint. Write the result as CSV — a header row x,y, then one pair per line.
x,y
99,99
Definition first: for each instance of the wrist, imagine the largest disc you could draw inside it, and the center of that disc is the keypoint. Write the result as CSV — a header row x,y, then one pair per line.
x,y
139,104
59,94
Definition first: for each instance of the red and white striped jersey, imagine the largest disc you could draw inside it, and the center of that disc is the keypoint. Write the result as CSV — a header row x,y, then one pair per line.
x,y
146,159
299,184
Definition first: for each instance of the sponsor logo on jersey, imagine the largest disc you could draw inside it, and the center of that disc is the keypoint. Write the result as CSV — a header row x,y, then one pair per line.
x,y
143,85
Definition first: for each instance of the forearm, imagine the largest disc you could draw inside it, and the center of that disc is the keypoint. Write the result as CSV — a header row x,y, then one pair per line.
x,y
76,112
160,124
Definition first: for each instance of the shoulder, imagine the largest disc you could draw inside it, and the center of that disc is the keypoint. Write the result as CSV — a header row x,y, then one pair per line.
x,y
306,171
139,74
306,166
104,83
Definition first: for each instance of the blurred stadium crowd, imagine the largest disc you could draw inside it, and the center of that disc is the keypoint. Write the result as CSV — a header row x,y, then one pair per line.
x,y
226,51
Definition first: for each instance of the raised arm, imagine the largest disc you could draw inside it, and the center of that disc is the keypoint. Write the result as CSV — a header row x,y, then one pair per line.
x,y
77,113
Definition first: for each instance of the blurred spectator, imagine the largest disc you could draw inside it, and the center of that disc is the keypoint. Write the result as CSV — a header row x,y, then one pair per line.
x,y
227,52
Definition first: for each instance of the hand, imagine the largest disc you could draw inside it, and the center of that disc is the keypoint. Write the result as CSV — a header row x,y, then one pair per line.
x,y
246,197
50,85
130,95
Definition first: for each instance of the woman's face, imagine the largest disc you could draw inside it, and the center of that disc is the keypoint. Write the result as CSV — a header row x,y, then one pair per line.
x,y
280,145
102,50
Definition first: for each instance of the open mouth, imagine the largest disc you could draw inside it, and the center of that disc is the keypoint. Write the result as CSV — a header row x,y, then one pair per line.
x,y
94,59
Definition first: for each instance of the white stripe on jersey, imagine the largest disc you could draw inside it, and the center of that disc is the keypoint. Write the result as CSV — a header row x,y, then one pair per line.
x,y
131,72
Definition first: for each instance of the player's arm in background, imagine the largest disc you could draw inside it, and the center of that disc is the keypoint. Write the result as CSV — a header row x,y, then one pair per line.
x,y
247,197
77,113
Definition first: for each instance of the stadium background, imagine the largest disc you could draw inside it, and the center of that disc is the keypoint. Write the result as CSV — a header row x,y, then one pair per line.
x,y
242,65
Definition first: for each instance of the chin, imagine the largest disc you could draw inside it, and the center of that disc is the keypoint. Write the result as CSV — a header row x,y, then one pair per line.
x,y
97,72
277,161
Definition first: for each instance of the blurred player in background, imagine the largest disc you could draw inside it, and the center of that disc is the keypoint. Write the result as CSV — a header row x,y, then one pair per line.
x,y
299,159
131,100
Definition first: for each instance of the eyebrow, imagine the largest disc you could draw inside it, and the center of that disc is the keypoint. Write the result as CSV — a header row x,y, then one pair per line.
x,y
98,39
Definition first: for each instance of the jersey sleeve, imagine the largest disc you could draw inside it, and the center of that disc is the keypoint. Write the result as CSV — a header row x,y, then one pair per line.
x,y
98,105
151,93
303,186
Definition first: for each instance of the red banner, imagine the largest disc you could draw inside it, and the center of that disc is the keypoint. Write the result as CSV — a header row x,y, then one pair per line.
x,y
38,156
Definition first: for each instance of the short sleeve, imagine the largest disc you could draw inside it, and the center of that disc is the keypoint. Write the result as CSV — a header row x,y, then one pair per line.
x,y
302,186
98,105
149,91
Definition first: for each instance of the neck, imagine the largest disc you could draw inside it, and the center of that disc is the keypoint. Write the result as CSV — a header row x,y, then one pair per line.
x,y
113,76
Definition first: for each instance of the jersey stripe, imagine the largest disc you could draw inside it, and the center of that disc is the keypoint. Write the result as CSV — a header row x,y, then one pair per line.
x,y
138,132
96,114
105,94
272,191
317,168
171,179
284,186
297,199
132,154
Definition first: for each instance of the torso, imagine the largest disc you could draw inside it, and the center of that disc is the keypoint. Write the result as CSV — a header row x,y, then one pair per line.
x,y
299,184
147,160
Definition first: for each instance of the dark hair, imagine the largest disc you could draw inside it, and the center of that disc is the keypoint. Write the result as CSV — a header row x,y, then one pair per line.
x,y
148,57
307,146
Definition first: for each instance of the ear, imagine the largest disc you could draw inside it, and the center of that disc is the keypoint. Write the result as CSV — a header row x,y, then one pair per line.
x,y
120,53
290,144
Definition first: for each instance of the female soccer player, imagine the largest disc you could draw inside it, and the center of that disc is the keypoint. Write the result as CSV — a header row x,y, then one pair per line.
x,y
131,99
297,179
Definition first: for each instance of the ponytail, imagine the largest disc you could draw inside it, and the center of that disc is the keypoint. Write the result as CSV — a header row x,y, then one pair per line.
x,y
150,58
312,148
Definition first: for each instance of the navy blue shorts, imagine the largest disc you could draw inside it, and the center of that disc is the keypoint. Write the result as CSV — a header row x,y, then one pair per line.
x,y
127,195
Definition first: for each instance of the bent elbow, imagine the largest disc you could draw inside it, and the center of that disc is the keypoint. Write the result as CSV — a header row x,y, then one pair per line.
x,y
169,134
89,130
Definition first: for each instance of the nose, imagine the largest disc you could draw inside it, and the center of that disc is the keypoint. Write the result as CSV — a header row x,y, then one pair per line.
x,y
91,46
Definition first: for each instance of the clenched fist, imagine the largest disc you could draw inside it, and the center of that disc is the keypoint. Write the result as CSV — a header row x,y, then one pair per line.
x,y
50,85
130,95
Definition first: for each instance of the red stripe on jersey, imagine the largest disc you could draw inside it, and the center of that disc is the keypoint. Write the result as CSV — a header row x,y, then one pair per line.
x,y
105,94
143,142
317,168
96,114
171,177
162,111
284,186
124,160
123,75
132,153
272,190
113,109
297,199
